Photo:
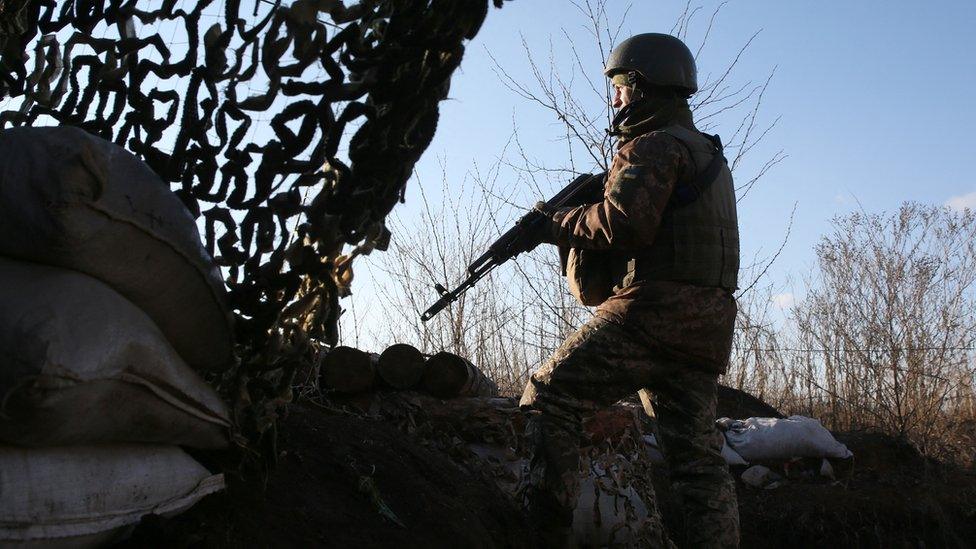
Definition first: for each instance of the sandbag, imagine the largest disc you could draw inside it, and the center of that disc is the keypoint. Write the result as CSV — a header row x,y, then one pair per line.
x,y
81,364
73,200
731,456
759,438
87,496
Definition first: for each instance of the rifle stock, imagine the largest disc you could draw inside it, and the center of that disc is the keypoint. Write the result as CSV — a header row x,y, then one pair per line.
x,y
503,249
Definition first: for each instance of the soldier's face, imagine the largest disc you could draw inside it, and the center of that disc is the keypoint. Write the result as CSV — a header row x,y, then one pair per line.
x,y
621,96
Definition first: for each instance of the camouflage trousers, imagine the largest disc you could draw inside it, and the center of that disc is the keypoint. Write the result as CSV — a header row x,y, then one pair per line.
x,y
597,366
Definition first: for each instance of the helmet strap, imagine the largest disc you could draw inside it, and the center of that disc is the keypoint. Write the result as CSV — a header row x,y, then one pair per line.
x,y
638,99
633,79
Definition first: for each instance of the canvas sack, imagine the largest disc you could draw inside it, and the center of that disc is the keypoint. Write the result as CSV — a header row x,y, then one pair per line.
x,y
73,200
89,496
81,364
759,438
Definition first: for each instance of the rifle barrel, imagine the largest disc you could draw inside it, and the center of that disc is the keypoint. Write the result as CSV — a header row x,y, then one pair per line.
x,y
499,253
450,297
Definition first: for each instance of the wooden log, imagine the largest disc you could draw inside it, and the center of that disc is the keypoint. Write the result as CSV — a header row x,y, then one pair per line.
x,y
401,366
348,370
447,375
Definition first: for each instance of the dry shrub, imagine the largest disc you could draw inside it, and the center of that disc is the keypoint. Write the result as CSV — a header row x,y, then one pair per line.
x,y
884,338
503,325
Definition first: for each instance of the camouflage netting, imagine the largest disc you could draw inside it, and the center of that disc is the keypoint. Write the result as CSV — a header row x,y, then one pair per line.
x,y
185,84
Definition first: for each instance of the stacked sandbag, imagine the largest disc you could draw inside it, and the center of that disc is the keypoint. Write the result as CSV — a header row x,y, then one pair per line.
x,y
89,496
109,308
72,200
80,364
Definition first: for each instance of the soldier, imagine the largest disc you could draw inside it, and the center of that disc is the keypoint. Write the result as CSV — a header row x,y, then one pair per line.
x,y
668,233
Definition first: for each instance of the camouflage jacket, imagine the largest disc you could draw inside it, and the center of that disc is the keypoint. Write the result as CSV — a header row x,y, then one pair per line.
x,y
689,323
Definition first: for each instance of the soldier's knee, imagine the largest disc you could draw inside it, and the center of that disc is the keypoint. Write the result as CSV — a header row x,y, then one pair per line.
x,y
550,400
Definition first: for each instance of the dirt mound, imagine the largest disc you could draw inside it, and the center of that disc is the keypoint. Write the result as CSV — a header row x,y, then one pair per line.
x,y
348,482
406,474
887,495
738,404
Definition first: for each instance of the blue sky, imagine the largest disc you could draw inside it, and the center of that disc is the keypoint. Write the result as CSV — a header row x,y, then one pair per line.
x,y
874,100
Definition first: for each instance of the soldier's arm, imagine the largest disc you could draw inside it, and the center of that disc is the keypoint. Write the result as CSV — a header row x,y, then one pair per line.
x,y
640,183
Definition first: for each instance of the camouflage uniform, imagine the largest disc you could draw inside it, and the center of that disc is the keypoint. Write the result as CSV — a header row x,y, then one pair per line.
x,y
669,337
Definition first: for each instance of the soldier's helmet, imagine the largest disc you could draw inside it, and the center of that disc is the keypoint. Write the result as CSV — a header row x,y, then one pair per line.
x,y
659,59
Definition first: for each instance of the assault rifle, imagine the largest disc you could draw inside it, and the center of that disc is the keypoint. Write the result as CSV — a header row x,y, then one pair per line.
x,y
512,242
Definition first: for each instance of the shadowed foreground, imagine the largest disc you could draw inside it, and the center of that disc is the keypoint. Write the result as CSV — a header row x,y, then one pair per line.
x,y
345,481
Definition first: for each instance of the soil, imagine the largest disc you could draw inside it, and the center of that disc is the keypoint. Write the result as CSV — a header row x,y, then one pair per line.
x,y
887,495
319,495
336,472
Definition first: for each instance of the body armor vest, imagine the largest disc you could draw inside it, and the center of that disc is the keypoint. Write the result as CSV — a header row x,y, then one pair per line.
x,y
698,241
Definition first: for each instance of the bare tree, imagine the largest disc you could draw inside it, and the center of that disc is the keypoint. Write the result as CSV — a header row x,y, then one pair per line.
x,y
495,324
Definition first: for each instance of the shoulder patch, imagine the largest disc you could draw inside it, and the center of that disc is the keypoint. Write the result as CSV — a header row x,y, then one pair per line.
x,y
626,184
634,171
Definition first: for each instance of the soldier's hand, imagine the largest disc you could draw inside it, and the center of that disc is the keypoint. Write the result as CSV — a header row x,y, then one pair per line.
x,y
533,229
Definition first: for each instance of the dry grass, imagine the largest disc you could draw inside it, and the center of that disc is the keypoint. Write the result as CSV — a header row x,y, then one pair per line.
x,y
884,338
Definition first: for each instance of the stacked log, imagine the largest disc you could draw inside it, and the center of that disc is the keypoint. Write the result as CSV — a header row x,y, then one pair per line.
x,y
448,375
348,370
401,366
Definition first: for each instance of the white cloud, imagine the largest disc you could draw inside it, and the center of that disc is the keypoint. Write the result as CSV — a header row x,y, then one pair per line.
x,y
960,203
783,301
